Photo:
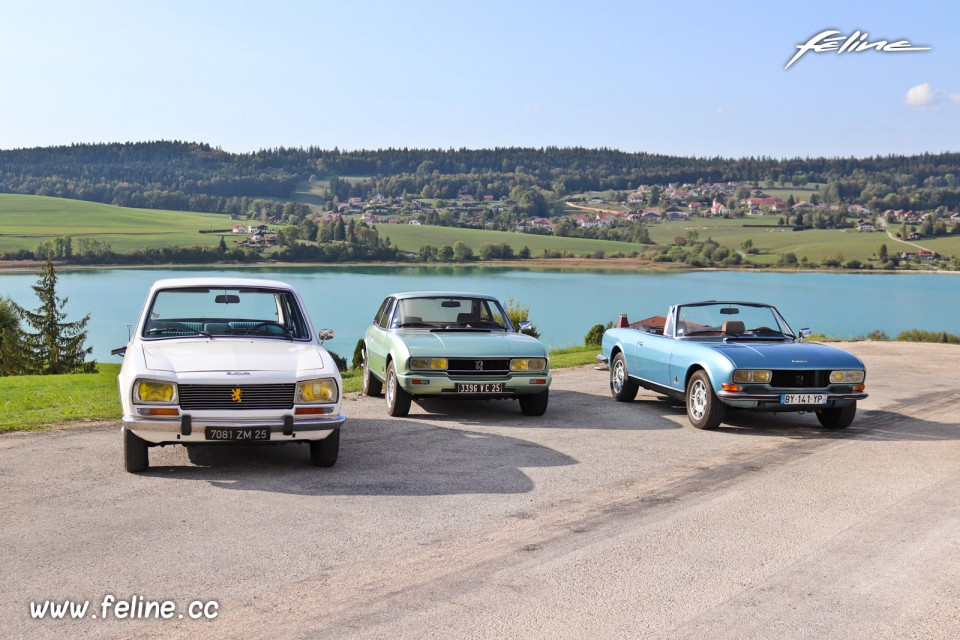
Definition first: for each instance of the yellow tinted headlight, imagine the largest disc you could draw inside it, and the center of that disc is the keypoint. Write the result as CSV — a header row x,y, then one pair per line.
x,y
428,364
853,376
314,391
153,391
755,376
528,364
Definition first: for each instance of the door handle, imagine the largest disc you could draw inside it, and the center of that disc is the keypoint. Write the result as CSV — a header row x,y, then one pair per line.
x,y
639,344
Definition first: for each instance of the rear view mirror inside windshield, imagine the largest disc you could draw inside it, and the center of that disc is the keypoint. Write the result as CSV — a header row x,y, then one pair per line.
x,y
227,299
729,311
450,304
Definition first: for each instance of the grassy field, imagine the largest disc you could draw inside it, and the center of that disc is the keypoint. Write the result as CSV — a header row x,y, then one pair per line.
x,y
30,403
815,244
26,221
411,237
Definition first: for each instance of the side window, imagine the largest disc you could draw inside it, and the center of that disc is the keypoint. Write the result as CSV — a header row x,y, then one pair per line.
x,y
383,316
379,315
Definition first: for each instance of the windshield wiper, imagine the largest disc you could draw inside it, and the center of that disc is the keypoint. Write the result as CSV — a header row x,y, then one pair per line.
x,y
415,324
186,330
483,324
286,335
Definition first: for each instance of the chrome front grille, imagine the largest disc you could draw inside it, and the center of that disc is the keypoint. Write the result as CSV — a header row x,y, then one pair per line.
x,y
478,367
200,397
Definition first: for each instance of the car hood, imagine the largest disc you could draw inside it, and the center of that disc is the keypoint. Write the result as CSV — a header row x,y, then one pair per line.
x,y
230,354
787,355
471,344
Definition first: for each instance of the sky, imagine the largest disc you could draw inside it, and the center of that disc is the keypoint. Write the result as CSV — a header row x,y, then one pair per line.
x,y
681,78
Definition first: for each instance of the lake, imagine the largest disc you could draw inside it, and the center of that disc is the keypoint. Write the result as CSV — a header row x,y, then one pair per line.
x,y
563,304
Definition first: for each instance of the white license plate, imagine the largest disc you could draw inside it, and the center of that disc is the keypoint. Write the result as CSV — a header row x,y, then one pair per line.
x,y
803,398
486,387
261,434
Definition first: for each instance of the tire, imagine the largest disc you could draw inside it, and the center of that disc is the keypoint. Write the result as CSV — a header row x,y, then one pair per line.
x,y
398,400
135,456
704,409
838,417
534,404
323,453
371,385
622,388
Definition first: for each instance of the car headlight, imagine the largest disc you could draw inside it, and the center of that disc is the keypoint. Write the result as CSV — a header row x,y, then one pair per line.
x,y
315,391
852,376
154,392
428,364
528,364
755,376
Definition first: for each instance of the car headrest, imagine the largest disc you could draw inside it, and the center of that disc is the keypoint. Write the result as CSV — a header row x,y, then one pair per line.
x,y
732,327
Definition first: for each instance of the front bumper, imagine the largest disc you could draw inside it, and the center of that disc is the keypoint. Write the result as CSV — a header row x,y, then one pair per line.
x,y
188,429
425,384
772,401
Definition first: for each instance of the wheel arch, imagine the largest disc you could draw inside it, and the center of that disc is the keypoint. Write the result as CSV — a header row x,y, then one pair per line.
x,y
692,369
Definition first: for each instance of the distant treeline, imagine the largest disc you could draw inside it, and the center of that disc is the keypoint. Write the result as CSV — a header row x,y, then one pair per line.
x,y
198,177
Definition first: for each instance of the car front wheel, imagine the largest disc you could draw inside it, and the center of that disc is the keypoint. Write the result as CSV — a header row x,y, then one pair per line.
x,y
323,453
371,385
135,456
622,388
398,400
704,409
838,417
534,404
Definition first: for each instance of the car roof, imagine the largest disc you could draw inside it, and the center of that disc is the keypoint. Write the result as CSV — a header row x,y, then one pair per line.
x,y
404,295
218,281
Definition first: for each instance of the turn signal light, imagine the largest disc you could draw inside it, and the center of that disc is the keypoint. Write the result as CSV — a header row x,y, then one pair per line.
x,y
732,387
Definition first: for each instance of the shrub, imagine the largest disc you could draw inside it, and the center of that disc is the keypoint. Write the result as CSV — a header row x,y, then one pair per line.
x,y
357,355
594,336
519,313
340,360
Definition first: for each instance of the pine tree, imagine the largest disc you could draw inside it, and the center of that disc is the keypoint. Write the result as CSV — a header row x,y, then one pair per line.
x,y
57,347
9,325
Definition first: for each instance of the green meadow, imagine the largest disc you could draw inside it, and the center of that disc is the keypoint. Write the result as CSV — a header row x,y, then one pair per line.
x,y
772,240
26,221
410,237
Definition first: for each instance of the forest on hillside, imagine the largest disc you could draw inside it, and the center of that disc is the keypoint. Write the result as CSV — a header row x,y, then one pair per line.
x,y
192,176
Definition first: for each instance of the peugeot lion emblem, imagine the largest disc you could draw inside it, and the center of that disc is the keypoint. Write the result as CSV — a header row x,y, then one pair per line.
x,y
236,395
479,365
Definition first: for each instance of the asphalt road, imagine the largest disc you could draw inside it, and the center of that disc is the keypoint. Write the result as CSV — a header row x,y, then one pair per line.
x,y
598,520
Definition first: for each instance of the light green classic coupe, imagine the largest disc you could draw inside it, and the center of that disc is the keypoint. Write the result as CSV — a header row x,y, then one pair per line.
x,y
443,344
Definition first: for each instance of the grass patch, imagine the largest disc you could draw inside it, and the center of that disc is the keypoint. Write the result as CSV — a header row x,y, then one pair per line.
x,y
31,403
39,402
410,237
29,220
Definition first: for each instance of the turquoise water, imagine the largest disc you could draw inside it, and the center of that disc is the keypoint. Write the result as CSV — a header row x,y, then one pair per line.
x,y
563,304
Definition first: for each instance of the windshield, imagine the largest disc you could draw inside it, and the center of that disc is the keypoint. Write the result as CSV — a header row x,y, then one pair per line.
x,y
269,313
450,312
731,319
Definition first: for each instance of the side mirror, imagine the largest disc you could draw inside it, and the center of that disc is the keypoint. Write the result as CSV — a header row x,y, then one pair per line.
x,y
325,334
526,326
805,333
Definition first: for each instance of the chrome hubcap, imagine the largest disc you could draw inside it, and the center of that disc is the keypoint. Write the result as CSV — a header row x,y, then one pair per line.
x,y
618,376
391,382
698,400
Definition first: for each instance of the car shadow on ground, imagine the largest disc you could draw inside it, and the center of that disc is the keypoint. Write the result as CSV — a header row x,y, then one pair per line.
x,y
872,424
566,410
377,457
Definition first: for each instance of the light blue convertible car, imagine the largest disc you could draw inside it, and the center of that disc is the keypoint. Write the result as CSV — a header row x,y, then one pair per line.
x,y
742,355
454,345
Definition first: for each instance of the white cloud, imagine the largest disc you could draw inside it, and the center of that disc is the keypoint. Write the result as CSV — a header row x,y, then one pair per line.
x,y
921,95
955,97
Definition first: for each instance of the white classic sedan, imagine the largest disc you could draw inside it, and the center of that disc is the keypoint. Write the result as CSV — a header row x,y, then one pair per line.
x,y
233,360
